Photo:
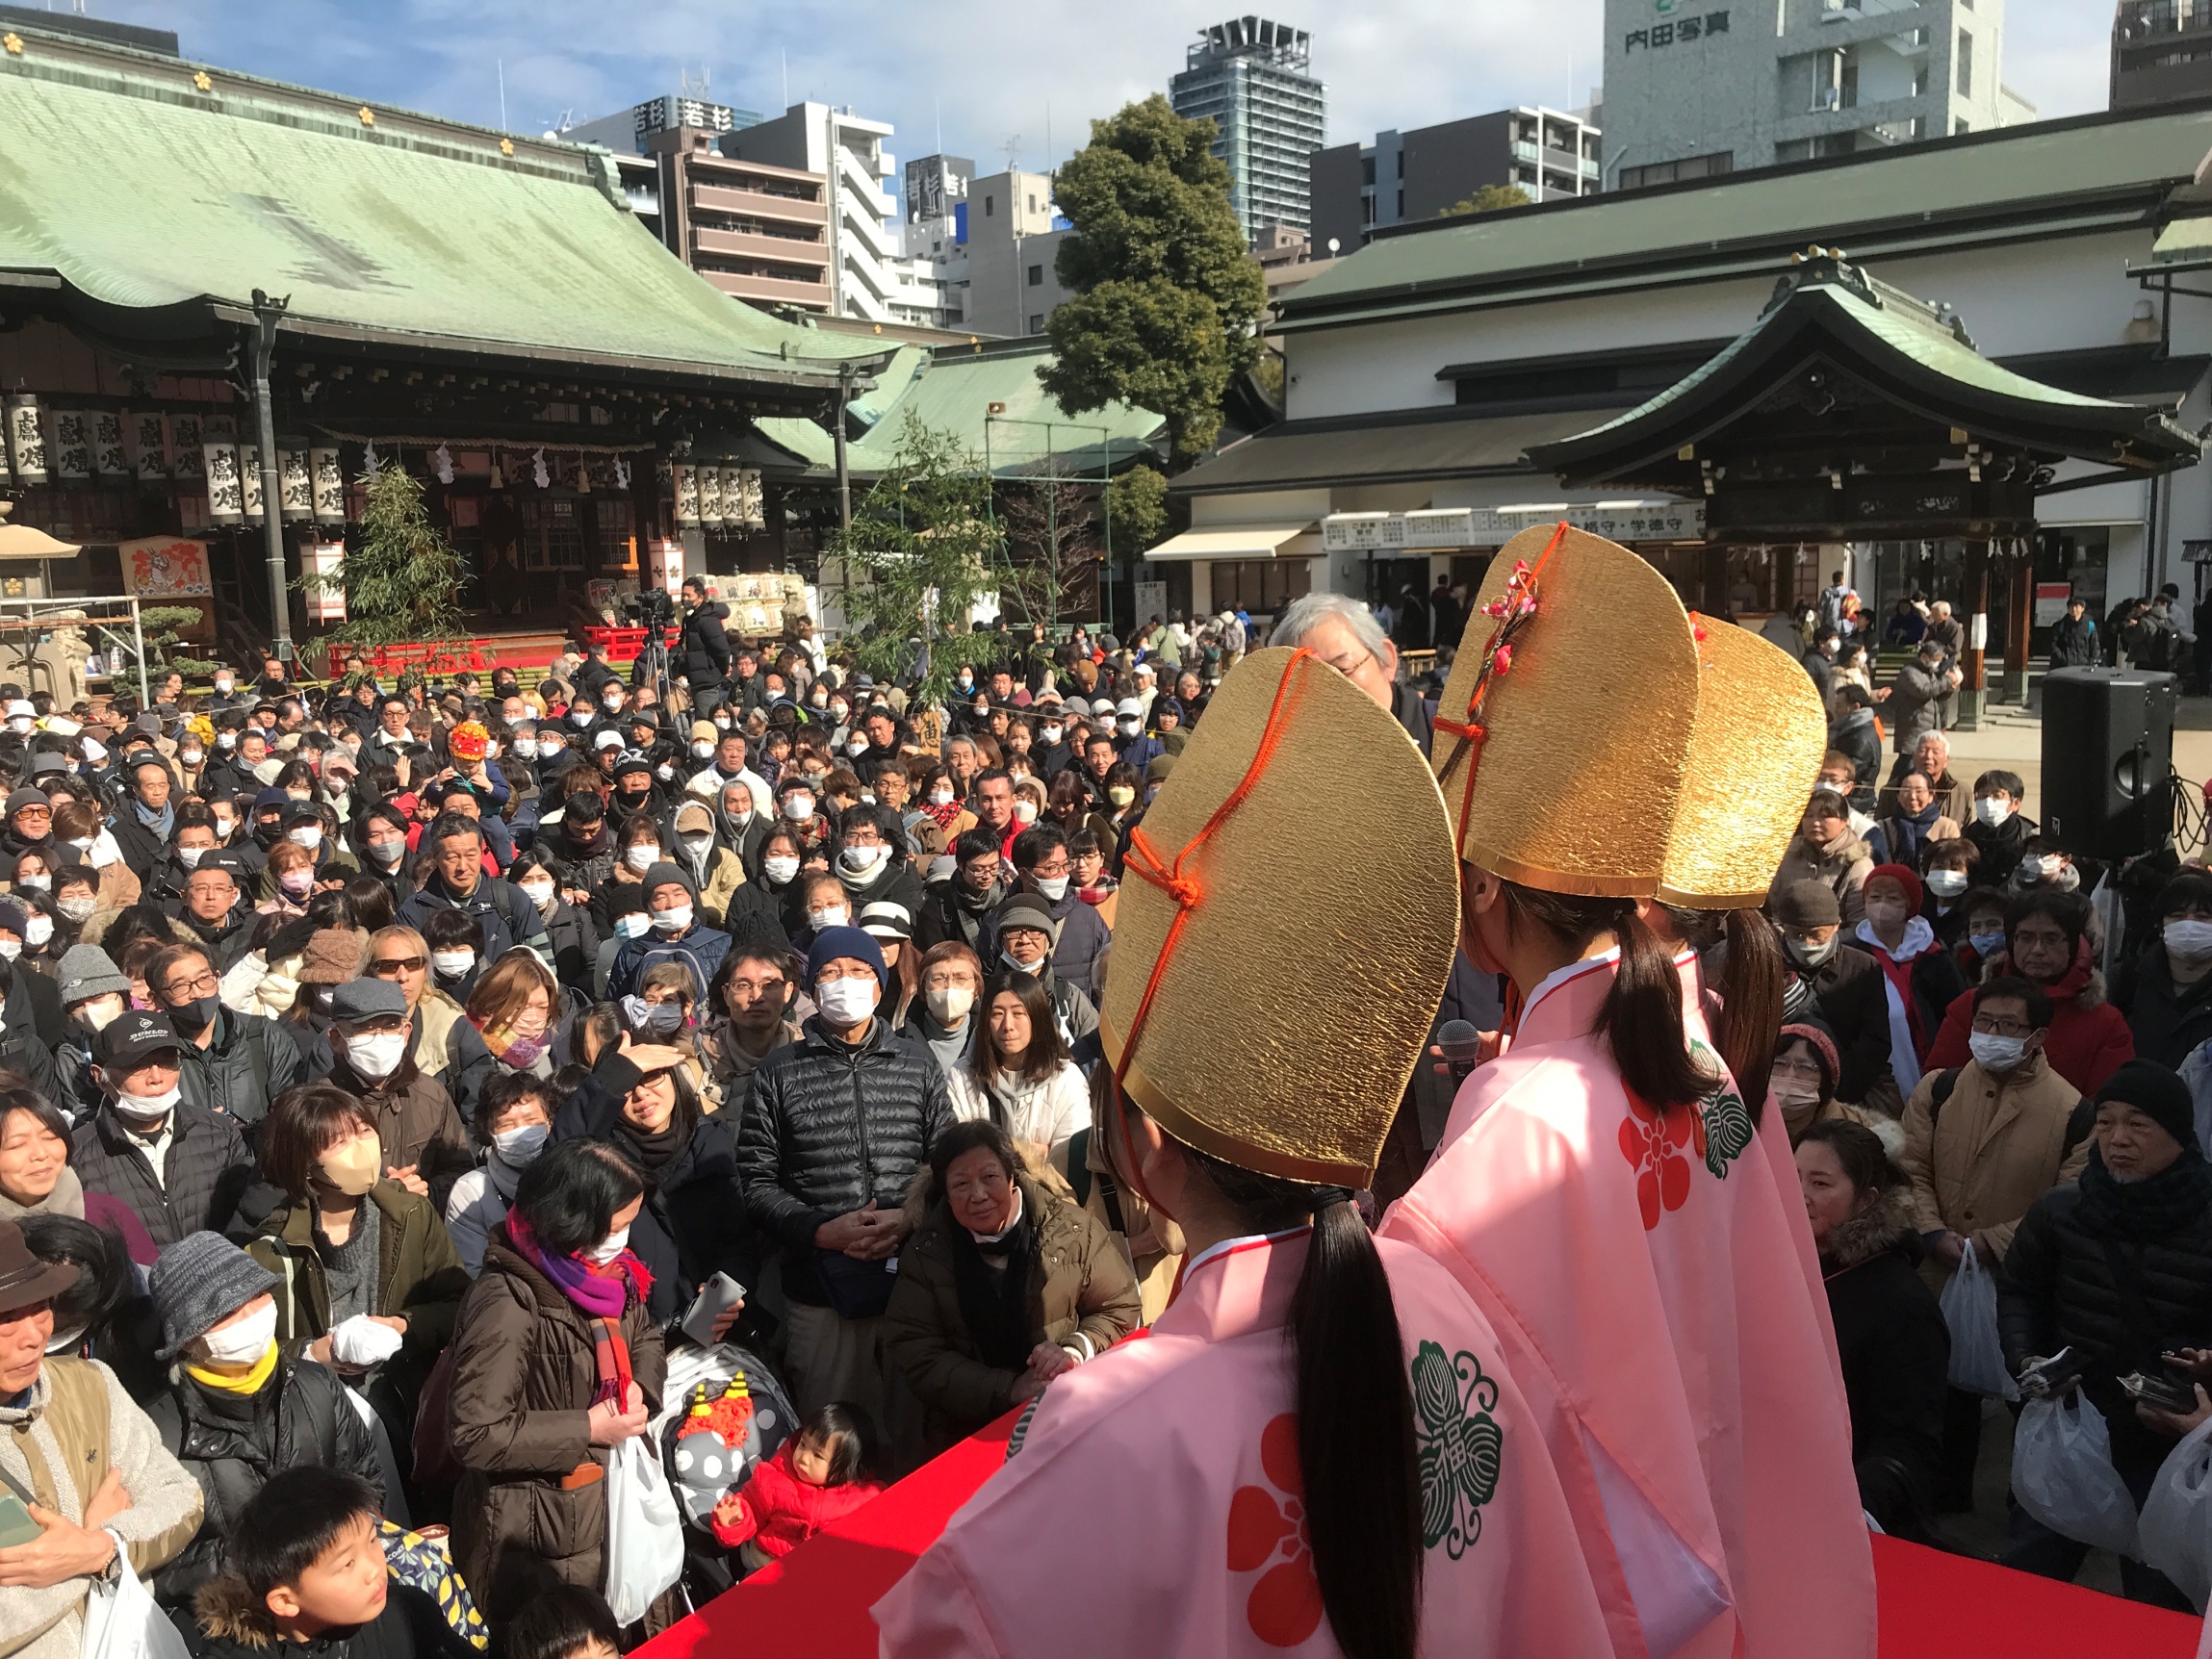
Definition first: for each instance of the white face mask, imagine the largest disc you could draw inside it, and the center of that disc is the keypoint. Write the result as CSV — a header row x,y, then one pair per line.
x,y
2191,941
518,1148
11,948
102,1010
696,845
1991,811
1996,1052
1012,961
822,920
377,1055
1053,887
452,964
1947,883
673,920
1052,734
541,893
2043,867
307,835
148,1108
701,751
798,808
188,857
1025,812
526,748
846,1002
76,909
779,870
38,929
862,861
607,1249
1886,912
641,858
948,1004
632,925
940,798
244,1342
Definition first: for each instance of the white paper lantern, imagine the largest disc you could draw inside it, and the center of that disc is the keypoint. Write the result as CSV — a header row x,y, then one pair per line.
x,y
225,498
296,486
330,487
711,497
109,458
186,446
26,439
249,481
153,447
686,496
72,444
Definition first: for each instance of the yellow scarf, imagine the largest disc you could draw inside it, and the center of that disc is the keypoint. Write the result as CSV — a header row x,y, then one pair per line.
x,y
248,1382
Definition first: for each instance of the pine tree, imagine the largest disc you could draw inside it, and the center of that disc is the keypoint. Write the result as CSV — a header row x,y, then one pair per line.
x,y
403,583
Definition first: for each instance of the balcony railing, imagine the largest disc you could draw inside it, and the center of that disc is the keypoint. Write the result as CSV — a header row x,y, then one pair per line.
x,y
760,204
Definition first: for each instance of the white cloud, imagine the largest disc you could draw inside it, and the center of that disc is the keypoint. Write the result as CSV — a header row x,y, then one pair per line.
x,y
986,69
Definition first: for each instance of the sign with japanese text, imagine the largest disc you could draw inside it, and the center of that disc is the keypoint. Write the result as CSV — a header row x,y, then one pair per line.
x,y
1447,528
1677,31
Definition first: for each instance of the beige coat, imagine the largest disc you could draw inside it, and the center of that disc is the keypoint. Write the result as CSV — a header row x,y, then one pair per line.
x,y
1843,864
1999,1144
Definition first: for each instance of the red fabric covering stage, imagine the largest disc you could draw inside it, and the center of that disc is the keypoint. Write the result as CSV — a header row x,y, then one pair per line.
x,y
815,1602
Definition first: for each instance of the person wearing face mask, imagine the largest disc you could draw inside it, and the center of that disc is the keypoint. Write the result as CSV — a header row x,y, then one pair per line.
x,y
1919,978
180,1166
715,872
2047,943
799,1161
945,1016
1983,1141
869,861
372,1284
416,1126
236,1062
1948,874
2166,991
379,836
1835,980
1045,868
570,934
1025,933
2044,867
1050,750
237,1408
1801,1085
674,933
798,806
512,1126
738,826
1999,828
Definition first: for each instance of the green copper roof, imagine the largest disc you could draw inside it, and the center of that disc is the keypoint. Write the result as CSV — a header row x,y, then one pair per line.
x,y
2096,171
160,207
952,390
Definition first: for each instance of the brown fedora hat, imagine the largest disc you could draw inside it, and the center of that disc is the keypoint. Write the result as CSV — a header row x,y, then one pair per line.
x,y
24,1278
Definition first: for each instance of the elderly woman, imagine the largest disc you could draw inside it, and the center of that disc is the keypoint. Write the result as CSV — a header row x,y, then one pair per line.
x,y
36,1178
1000,1287
554,1359
1802,1085
1890,1333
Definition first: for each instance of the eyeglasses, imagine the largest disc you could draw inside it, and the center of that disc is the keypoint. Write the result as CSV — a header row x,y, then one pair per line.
x,y
203,985
1987,1027
392,968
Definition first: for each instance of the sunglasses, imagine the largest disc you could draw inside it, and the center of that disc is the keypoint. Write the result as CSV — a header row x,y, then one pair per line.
x,y
390,967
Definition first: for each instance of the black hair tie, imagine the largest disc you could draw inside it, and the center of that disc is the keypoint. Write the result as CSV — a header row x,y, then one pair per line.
x,y
1324,1196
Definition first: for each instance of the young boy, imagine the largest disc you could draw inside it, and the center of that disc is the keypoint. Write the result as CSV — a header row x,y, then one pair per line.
x,y
305,1565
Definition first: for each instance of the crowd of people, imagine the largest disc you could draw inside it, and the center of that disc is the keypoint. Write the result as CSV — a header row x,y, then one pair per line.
x,y
393,1070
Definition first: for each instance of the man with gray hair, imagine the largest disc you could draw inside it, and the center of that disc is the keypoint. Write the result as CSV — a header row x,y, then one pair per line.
x,y
1347,635
1931,759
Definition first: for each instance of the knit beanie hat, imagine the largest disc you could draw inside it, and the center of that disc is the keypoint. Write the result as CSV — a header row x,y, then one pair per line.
x,y
831,943
1808,904
1026,909
333,956
2158,1092
1906,876
85,972
197,1283
665,873
1815,1030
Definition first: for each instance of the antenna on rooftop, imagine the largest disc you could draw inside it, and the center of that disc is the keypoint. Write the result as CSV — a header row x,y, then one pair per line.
x,y
1012,145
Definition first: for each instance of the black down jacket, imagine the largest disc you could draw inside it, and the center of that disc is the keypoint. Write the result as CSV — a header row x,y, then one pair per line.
x,y
693,1223
831,1127
2120,1294
232,1443
704,650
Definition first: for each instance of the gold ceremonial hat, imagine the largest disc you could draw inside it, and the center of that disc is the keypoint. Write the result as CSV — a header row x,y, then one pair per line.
x,y
1755,748
1586,728
1278,954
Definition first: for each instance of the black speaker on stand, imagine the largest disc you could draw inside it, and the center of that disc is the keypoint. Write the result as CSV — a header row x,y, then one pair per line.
x,y
2108,760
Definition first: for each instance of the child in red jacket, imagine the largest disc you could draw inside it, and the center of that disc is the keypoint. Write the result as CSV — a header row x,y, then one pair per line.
x,y
815,1477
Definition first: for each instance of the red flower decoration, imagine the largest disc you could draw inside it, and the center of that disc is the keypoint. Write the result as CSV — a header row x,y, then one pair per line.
x,y
1653,1141
1284,1608
1502,658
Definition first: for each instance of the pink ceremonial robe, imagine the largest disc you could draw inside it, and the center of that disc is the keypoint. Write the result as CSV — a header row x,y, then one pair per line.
x,y
1644,1274
1152,1506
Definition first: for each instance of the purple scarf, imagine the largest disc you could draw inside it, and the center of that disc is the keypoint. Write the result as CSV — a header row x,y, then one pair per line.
x,y
598,1291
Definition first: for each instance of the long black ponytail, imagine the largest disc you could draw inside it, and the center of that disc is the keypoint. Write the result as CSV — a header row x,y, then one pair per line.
x,y
1355,1440
1642,1019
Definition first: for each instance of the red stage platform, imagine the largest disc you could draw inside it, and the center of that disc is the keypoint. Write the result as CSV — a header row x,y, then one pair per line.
x,y
1934,1606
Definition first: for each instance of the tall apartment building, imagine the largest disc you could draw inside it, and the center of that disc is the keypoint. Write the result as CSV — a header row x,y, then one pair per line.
x,y
2161,52
757,232
1403,177
869,275
1252,78
1699,88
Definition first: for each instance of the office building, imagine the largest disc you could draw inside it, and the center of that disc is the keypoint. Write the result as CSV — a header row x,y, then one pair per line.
x,y
935,186
2161,52
1251,78
1006,275
867,278
1401,177
1697,89
628,130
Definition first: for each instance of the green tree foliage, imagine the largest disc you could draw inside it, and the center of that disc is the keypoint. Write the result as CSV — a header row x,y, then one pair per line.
x,y
1488,200
1139,501
402,583
164,626
1168,299
922,551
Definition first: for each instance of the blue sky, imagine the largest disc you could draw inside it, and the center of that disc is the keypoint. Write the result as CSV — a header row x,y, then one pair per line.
x,y
995,76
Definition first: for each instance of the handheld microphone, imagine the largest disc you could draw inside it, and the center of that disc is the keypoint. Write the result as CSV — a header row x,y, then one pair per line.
x,y
1462,1046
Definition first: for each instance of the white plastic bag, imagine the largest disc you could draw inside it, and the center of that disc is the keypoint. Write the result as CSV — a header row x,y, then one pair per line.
x,y
644,1534
1969,1305
2176,1524
122,1623
2063,1475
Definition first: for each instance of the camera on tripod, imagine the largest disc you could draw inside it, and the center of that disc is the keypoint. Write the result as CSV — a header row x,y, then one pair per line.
x,y
651,607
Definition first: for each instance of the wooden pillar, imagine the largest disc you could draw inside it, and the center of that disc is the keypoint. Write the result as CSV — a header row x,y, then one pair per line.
x,y
2016,627
1974,607
1712,580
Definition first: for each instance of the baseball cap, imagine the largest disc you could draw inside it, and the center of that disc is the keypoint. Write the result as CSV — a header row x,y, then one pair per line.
x,y
132,1038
